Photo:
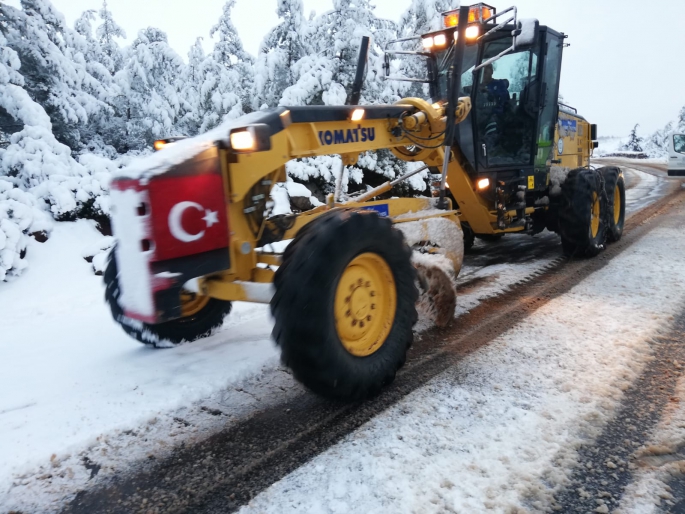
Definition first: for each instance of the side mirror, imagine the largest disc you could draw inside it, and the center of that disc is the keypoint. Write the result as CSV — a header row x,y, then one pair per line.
x,y
595,144
526,35
593,132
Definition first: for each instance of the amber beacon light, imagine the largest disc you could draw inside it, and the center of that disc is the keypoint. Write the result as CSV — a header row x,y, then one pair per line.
x,y
477,14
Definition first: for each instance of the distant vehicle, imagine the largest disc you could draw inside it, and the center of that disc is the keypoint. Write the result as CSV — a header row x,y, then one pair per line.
x,y
676,157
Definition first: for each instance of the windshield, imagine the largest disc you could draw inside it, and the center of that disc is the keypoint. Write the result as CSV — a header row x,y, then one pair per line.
x,y
506,104
679,143
444,59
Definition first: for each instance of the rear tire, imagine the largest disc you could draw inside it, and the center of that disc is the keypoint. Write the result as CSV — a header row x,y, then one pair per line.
x,y
615,188
201,323
307,298
582,220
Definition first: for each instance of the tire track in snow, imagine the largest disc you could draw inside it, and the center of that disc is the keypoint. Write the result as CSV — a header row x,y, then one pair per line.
x,y
229,468
606,465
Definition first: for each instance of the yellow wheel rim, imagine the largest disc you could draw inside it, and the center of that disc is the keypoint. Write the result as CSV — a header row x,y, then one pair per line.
x,y
617,205
192,303
365,304
594,223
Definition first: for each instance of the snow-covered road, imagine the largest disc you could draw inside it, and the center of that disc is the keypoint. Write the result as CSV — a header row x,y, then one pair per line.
x,y
499,431
76,387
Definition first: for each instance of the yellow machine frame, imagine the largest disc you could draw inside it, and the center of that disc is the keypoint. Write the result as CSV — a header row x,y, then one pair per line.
x,y
297,140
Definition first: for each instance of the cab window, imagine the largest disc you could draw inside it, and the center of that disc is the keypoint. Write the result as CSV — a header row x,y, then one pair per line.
x,y
679,143
506,105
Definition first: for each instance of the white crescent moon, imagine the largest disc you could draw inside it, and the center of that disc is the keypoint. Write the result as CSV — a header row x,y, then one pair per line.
x,y
175,226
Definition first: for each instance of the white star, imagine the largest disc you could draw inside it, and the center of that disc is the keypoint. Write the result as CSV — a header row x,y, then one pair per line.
x,y
211,217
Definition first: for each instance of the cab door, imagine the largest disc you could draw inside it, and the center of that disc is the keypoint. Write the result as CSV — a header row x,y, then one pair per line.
x,y
506,101
551,49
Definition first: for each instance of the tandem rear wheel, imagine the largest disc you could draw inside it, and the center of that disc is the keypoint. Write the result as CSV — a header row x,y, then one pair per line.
x,y
592,210
582,213
344,305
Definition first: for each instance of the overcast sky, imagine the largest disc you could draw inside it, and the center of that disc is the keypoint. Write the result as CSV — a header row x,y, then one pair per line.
x,y
625,64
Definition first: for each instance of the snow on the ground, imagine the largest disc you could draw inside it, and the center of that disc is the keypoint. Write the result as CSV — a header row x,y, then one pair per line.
x,y
499,430
658,461
70,375
82,391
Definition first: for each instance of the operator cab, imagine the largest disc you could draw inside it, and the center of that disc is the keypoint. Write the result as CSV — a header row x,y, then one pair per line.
x,y
510,69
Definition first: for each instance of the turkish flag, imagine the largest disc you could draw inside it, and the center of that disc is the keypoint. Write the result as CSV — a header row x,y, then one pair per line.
x,y
188,215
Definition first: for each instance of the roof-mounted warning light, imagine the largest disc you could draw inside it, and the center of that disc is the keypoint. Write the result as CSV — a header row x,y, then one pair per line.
x,y
479,13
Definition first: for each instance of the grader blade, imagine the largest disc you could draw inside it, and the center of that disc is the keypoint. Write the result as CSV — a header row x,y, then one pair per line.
x,y
438,244
437,294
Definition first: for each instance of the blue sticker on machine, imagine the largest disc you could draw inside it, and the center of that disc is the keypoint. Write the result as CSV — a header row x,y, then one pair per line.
x,y
381,209
569,125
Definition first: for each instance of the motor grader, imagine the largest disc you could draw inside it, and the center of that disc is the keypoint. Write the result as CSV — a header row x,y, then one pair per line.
x,y
194,230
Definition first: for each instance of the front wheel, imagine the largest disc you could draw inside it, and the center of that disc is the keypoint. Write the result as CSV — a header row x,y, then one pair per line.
x,y
201,315
344,305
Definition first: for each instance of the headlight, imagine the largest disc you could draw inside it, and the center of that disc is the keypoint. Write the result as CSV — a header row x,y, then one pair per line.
x,y
253,138
242,141
440,40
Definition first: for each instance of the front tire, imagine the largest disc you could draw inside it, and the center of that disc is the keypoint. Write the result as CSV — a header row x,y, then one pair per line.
x,y
344,305
582,220
203,315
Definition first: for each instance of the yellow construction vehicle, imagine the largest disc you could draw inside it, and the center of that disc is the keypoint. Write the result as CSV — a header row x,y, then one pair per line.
x,y
194,230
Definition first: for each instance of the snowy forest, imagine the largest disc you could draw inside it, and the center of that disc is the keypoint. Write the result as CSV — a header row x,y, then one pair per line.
x,y
76,105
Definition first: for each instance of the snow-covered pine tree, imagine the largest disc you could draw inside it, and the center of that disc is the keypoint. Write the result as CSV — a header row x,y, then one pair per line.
x,y
100,134
278,53
332,43
231,56
20,212
421,17
226,76
680,122
190,121
635,142
107,32
53,67
152,75
656,145
32,159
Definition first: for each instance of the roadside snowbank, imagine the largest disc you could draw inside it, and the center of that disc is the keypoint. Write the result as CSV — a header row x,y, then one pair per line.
x,y
71,376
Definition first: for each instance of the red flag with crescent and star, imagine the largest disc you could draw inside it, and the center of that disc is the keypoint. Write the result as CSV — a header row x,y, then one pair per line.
x,y
188,215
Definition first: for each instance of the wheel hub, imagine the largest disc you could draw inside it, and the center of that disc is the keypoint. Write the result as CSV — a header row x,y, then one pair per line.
x,y
365,304
192,303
